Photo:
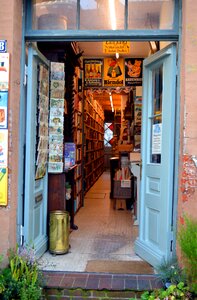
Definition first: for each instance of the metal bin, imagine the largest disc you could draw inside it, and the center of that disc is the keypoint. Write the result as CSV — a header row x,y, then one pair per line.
x,y
59,232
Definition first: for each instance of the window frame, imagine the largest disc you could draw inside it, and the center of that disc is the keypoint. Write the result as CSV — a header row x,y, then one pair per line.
x,y
100,35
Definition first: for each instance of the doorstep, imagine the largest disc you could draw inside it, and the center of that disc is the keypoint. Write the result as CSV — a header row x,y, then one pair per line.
x,y
100,281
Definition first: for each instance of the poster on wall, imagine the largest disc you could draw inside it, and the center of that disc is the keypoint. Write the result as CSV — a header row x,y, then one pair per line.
x,y
3,148
113,72
133,71
3,109
3,186
93,72
4,71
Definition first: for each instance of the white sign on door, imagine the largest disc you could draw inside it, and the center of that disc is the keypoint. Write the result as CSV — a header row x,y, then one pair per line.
x,y
156,138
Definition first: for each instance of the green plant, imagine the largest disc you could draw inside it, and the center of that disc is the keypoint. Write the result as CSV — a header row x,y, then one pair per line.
x,y
22,278
170,272
173,292
187,238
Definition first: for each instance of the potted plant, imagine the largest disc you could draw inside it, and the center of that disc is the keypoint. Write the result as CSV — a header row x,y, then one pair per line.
x,y
170,272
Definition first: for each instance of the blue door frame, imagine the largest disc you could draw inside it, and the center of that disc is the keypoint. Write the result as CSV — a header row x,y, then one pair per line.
x,y
88,35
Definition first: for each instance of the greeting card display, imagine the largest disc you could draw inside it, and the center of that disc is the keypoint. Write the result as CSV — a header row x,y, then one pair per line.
x,y
42,121
56,118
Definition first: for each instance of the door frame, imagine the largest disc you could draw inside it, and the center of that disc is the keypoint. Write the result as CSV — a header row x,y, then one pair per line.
x,y
29,35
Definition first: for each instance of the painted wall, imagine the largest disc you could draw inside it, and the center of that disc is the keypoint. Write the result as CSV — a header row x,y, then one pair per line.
x,y
188,151
10,29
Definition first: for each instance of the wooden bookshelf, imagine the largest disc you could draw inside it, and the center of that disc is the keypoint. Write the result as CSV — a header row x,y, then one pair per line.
x,y
94,140
78,140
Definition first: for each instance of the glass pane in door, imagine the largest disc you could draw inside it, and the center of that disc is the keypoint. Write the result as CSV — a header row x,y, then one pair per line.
x,y
156,117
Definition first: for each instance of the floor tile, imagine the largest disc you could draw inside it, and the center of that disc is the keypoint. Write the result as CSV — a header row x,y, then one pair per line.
x,y
103,233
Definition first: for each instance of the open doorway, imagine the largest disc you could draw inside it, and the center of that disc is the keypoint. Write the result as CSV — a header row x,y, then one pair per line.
x,y
114,228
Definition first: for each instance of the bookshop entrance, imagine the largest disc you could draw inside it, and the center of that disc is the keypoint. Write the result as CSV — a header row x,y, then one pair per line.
x,y
79,102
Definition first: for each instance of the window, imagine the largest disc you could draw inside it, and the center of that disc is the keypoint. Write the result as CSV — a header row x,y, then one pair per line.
x,y
108,134
101,14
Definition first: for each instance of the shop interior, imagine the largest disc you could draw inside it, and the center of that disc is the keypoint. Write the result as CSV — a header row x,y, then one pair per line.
x,y
100,185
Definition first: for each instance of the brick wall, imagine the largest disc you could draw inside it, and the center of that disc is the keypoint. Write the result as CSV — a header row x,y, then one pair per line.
x,y
10,29
188,129
79,294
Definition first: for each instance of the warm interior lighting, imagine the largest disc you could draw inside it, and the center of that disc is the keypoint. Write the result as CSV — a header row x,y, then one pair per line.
x,y
111,102
112,13
117,55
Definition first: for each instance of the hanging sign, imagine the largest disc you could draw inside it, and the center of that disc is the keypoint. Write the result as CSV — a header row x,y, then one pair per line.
x,y
121,47
3,186
93,72
4,71
113,72
3,46
133,71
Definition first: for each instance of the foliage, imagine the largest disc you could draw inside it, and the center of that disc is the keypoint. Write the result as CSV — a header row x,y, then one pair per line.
x,y
21,279
170,272
173,292
187,238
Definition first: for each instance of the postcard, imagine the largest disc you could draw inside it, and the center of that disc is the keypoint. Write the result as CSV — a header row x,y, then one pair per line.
x,y
57,94
41,171
56,112
43,143
43,102
56,130
56,121
55,157
57,67
43,129
55,167
43,116
59,103
57,85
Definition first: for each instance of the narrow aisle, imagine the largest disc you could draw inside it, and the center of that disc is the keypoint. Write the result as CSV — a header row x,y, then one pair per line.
x,y
103,233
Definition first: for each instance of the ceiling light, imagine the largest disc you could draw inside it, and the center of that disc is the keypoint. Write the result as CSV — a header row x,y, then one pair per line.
x,y
117,55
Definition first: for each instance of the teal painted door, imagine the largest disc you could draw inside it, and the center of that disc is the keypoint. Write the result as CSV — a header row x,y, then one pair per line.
x,y
35,202
158,124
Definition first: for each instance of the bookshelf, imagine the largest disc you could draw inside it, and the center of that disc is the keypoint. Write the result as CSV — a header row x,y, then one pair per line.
x,y
94,140
78,140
